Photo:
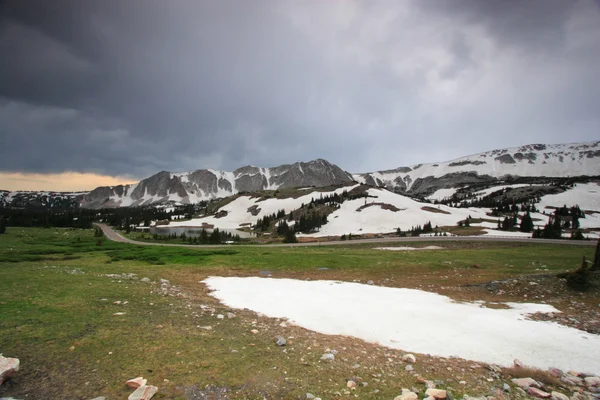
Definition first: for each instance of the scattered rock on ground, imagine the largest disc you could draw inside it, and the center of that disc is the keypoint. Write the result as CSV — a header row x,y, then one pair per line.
x,y
592,381
143,393
409,358
438,394
538,393
230,315
136,382
407,395
327,357
8,367
280,341
525,383
558,396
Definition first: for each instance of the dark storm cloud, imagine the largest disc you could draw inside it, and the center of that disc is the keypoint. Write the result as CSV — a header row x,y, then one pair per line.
x,y
134,87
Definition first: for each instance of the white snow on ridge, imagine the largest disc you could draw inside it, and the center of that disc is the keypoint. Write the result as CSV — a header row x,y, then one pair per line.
x,y
561,160
416,321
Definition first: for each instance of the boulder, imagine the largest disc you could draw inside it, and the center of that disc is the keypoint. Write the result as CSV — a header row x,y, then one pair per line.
x,y
136,382
8,367
558,396
143,393
438,394
407,395
526,383
592,381
409,358
535,392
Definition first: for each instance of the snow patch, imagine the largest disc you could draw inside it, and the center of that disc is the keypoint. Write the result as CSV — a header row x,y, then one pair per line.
x,y
415,320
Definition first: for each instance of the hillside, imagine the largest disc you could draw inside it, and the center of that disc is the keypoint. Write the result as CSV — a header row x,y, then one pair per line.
x,y
535,160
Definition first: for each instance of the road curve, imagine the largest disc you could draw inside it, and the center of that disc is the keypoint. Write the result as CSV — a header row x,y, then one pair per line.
x,y
114,236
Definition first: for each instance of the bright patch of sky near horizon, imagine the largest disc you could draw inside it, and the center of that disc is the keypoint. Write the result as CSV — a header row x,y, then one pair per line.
x,y
132,88
64,182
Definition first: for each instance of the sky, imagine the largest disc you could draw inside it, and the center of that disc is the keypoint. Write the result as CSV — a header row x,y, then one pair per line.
x,y
107,91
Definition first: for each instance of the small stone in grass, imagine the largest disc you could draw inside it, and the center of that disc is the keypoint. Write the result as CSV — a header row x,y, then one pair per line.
x,y
280,341
409,358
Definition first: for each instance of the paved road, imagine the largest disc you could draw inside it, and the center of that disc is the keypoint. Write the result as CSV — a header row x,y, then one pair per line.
x,y
112,235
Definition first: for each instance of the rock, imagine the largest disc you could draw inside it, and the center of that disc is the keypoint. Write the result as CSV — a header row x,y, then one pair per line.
x,y
164,281
119,313
310,396
409,368
370,282
254,331
409,358
220,316
230,315
592,381
518,363
99,398
280,341
206,328
572,380
327,357
558,396
556,372
532,391
145,279
408,395
136,382
143,393
525,383
8,367
506,387
437,394
351,385
430,384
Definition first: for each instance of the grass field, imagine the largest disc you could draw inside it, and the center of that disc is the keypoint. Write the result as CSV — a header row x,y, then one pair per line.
x,y
57,288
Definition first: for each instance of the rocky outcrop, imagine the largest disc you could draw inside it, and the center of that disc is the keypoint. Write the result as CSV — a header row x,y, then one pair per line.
x,y
206,184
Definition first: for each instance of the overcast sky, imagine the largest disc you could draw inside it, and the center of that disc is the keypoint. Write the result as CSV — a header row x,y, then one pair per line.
x,y
124,89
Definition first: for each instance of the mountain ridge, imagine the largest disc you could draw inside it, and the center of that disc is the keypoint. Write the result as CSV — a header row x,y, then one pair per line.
x,y
420,180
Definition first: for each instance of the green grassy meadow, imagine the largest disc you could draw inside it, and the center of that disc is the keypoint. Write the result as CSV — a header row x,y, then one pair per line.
x,y
57,288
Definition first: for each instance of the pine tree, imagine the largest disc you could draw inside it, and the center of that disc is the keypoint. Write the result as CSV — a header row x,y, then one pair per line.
x,y
290,237
526,223
2,225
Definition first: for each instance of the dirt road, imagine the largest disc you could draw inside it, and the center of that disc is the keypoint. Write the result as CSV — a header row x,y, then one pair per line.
x,y
112,235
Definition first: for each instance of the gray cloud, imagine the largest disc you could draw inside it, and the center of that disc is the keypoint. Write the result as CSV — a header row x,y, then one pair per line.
x,y
134,87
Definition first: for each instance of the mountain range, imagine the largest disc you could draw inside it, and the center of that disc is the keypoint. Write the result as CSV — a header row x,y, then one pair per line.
x,y
525,162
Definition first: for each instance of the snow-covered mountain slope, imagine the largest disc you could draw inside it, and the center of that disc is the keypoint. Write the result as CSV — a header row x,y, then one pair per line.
x,y
205,184
247,209
381,212
535,160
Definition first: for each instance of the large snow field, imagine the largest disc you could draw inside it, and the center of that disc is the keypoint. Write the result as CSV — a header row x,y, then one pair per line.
x,y
586,195
416,321
237,210
374,219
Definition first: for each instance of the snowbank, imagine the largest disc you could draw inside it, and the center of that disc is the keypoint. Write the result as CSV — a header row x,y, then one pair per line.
x,y
415,320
